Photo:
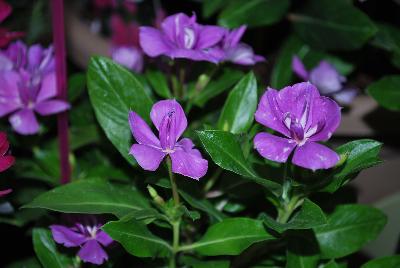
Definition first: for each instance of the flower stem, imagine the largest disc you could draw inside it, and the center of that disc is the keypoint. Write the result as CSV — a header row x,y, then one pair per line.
x,y
174,187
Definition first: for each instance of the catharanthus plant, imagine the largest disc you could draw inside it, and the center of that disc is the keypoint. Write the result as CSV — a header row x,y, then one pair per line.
x,y
327,79
170,120
304,117
87,235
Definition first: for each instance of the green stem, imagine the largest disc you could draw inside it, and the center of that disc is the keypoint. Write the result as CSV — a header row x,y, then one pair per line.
x,y
174,187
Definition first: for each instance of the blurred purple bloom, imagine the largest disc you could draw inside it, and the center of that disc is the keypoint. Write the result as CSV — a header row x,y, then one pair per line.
x,y
170,121
181,36
130,57
327,79
236,52
303,117
86,235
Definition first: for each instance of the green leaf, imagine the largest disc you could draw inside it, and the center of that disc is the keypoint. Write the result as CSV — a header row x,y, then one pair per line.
x,y
137,239
210,7
46,250
230,237
386,262
195,263
252,12
217,86
25,263
226,152
358,155
386,92
309,216
76,86
302,250
238,112
348,229
336,24
388,38
92,196
114,91
159,83
333,264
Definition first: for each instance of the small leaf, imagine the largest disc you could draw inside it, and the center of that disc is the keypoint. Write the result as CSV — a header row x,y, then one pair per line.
x,y
92,196
46,251
230,237
330,24
386,262
137,239
217,86
252,12
159,83
302,250
309,216
226,152
238,112
359,155
386,92
113,91
348,229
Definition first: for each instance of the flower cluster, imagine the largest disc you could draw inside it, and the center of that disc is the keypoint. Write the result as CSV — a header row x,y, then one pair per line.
x,y
170,120
181,36
304,117
28,85
84,233
327,79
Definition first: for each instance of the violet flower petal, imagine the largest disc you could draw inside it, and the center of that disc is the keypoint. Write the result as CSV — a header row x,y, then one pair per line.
x,y
129,57
103,238
51,107
299,68
5,63
152,42
345,96
189,165
35,53
162,108
209,36
232,38
187,145
326,78
92,252
327,112
48,87
315,156
273,147
5,192
243,54
6,162
149,158
141,131
65,236
24,122
196,55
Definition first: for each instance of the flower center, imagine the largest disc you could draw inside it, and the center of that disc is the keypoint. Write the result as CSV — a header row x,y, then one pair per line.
x,y
167,132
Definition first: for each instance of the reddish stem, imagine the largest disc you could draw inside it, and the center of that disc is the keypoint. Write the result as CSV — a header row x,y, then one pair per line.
x,y
61,73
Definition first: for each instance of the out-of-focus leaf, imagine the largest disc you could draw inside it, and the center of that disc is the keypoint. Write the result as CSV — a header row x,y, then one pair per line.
x,y
76,86
302,251
159,83
384,262
386,92
210,7
195,263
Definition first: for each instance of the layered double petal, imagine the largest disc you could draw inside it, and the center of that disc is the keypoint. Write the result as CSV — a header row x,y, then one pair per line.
x,y
303,116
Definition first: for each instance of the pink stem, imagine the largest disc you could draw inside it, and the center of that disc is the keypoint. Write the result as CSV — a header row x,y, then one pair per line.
x,y
61,72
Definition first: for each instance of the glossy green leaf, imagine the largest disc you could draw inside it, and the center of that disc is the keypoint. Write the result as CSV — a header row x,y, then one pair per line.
x,y
386,92
76,86
137,239
384,262
210,7
46,251
302,250
93,196
334,264
195,263
252,12
217,86
226,152
333,25
309,216
230,237
113,91
159,83
238,112
348,229
358,155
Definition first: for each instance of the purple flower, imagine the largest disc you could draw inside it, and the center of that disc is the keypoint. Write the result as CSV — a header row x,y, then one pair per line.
x,y
86,235
14,57
304,117
28,86
181,36
170,121
327,79
130,57
236,52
